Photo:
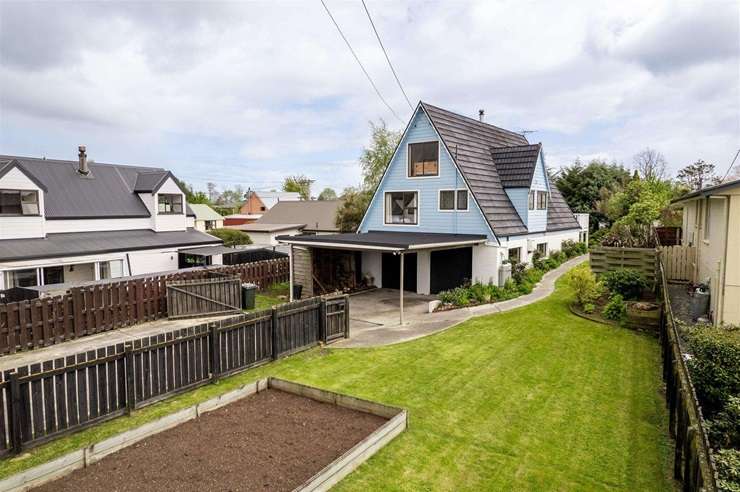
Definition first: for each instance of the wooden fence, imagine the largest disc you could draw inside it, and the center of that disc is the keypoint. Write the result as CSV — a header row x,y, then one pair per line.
x,y
679,262
605,259
693,464
213,296
43,401
108,306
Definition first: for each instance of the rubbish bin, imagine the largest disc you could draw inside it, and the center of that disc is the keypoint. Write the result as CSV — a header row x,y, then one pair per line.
x,y
297,291
248,294
699,306
504,273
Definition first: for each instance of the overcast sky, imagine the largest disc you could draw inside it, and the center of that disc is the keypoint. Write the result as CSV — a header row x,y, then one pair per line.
x,y
246,93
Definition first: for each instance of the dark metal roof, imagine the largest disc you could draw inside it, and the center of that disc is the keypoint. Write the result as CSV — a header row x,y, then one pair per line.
x,y
709,190
383,240
317,215
5,168
107,192
84,243
516,164
469,142
210,250
559,214
150,181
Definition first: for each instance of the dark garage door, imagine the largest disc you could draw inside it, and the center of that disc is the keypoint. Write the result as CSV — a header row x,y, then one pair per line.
x,y
392,271
450,268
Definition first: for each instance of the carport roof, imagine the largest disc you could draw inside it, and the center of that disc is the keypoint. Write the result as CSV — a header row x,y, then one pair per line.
x,y
385,241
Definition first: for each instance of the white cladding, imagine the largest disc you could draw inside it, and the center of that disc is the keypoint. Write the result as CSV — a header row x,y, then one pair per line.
x,y
17,227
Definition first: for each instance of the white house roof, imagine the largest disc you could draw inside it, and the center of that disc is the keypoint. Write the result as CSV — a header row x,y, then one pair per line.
x,y
204,212
270,198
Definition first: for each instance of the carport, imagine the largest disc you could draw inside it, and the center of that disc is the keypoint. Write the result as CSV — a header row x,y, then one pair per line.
x,y
398,251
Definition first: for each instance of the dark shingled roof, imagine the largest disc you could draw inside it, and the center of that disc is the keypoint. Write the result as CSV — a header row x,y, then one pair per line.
x,y
85,243
469,142
559,214
107,192
516,164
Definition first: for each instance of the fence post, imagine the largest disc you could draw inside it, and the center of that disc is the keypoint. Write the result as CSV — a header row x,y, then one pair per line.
x,y
346,315
275,321
14,419
130,394
322,320
214,352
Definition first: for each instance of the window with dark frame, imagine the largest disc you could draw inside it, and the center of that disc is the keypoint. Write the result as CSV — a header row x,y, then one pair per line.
x,y
19,202
541,200
515,255
424,159
169,203
462,199
401,207
531,199
542,249
450,200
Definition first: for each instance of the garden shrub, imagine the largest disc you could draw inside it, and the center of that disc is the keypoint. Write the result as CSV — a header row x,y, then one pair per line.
x,y
572,248
559,257
728,469
589,308
481,293
724,428
714,366
459,296
231,237
517,271
583,282
626,282
538,261
615,309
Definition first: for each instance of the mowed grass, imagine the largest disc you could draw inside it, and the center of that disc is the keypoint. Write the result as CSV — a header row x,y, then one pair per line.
x,y
532,399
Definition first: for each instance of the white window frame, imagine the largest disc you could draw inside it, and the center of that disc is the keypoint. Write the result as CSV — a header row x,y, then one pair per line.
x,y
544,254
454,205
537,200
532,200
408,159
418,208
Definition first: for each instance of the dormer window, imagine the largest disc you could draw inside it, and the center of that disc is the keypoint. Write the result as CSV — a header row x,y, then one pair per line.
x,y
423,159
541,200
169,203
19,202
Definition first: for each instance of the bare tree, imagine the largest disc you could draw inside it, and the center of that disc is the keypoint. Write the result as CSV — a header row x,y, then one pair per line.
x,y
212,193
650,164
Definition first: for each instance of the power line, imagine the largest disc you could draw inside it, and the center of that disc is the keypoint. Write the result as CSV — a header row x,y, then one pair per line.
x,y
360,63
732,164
386,56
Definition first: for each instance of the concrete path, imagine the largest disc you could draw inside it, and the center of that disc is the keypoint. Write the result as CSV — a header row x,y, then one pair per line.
x,y
92,342
374,315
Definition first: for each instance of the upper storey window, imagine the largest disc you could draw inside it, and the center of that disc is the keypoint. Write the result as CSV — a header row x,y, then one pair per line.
x,y
541,200
423,159
19,202
169,203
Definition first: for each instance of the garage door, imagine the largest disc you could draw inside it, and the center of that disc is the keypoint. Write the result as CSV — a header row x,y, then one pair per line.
x,y
392,271
450,268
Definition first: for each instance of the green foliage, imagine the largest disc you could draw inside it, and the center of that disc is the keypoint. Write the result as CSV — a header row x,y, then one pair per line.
x,y
231,237
328,194
350,213
585,286
192,196
698,175
714,366
627,282
572,248
724,428
595,238
559,257
517,271
377,156
459,296
615,309
728,469
589,308
299,184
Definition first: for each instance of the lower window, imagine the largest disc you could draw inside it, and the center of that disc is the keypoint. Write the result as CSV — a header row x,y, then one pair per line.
x,y
515,255
20,278
542,249
401,207
111,269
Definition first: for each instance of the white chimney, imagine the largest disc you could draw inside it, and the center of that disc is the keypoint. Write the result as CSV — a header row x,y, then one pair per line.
x,y
481,115
83,169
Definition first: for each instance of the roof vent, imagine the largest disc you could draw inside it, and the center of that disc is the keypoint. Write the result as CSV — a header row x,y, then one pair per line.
x,y
481,115
83,169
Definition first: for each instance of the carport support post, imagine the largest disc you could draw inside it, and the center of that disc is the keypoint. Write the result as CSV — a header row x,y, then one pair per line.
x,y
401,288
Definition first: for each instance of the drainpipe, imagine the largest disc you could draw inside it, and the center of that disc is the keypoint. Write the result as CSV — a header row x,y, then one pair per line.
x,y
290,273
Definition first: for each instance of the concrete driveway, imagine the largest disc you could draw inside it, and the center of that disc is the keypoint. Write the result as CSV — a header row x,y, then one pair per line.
x,y
374,316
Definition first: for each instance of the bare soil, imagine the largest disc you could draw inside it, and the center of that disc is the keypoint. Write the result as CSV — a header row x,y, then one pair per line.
x,y
268,441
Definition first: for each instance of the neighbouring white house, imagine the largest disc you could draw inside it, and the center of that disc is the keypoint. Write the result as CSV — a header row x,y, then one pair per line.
x,y
266,234
458,199
710,224
205,217
73,221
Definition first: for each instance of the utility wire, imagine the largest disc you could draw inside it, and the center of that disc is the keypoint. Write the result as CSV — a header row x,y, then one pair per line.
x,y
360,63
386,56
732,164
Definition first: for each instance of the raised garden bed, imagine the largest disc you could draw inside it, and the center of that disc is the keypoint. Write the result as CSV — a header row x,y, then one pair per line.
x,y
639,317
282,436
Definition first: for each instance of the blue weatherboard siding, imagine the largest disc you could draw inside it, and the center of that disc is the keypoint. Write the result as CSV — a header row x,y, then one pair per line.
x,y
519,198
430,218
537,220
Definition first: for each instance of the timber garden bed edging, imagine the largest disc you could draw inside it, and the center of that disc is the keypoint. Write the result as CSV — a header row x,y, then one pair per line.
x,y
323,480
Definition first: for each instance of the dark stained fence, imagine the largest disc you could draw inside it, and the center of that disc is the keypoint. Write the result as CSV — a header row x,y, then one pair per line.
x,y
693,464
212,296
605,259
43,401
83,311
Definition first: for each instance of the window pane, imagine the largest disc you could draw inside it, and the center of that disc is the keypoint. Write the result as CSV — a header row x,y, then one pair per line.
x,y
21,278
446,200
514,255
30,202
400,208
10,202
462,199
424,159
53,275
531,200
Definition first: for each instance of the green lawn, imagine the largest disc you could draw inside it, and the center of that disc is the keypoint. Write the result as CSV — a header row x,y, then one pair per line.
x,y
531,399
276,294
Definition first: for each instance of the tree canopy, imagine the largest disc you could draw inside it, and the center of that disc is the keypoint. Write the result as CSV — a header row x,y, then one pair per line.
x,y
698,175
300,184
328,194
231,237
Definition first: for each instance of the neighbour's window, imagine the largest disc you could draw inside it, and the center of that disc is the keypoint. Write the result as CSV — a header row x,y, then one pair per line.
x,y
541,200
515,255
453,199
170,203
53,275
19,202
424,159
531,199
210,224
542,249
707,207
111,269
401,207
20,278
